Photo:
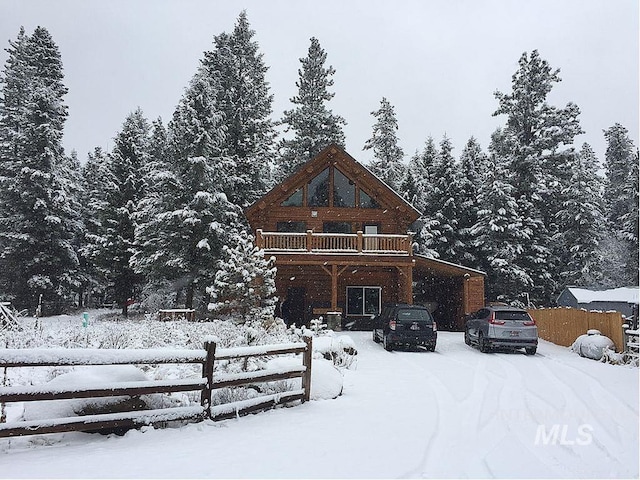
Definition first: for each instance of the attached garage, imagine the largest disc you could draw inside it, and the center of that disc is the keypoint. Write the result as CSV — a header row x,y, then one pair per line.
x,y
450,291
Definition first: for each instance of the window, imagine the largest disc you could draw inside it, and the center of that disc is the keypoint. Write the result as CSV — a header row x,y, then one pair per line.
x,y
363,300
330,188
295,200
344,191
291,227
318,190
366,201
336,227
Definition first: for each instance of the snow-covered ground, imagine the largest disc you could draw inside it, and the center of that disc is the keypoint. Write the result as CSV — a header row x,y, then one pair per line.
x,y
452,413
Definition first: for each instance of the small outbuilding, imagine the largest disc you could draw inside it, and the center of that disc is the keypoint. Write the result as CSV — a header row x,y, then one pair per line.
x,y
623,300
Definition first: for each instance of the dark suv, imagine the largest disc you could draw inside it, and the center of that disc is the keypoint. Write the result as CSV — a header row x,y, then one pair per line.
x,y
402,324
503,327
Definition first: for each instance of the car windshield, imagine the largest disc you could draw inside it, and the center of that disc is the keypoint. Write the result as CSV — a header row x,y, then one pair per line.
x,y
510,315
414,315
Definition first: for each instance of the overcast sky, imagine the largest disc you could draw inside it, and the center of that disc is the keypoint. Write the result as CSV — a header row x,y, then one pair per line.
x,y
437,61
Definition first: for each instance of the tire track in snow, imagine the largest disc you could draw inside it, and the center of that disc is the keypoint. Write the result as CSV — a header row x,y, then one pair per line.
x,y
447,435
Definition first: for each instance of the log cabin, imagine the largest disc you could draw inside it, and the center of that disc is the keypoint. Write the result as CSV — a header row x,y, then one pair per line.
x,y
342,243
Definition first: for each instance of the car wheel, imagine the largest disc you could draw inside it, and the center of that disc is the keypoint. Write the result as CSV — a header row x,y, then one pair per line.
x,y
467,339
386,343
375,337
530,350
483,343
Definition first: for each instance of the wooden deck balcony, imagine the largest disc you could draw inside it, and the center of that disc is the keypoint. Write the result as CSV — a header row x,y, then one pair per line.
x,y
338,243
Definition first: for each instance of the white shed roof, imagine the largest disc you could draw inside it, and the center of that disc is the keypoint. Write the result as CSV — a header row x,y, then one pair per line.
x,y
623,294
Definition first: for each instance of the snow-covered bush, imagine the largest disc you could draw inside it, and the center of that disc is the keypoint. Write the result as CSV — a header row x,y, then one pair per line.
x,y
244,285
108,332
339,349
157,296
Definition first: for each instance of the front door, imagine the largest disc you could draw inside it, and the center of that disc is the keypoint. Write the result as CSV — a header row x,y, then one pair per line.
x,y
370,243
295,298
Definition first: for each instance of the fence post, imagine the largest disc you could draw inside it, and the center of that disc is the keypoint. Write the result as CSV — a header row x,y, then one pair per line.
x,y
306,361
207,372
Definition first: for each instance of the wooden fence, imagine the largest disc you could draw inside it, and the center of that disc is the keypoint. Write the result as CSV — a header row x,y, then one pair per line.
x,y
563,325
209,381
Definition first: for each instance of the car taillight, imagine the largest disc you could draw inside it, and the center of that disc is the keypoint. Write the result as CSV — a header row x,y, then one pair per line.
x,y
435,327
392,324
529,323
493,321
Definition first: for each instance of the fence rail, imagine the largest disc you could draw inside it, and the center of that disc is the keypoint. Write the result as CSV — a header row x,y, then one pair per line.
x,y
563,325
210,381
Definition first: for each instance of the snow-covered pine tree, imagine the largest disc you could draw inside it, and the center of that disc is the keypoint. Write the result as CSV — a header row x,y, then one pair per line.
x,y
184,222
541,138
473,169
38,225
70,173
421,171
629,230
97,180
244,285
500,232
127,165
313,125
387,154
444,210
621,196
246,103
618,163
582,223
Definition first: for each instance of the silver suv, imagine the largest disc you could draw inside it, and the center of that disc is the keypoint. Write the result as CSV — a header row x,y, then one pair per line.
x,y
501,327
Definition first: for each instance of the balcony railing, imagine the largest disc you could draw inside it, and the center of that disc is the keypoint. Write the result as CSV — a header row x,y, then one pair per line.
x,y
345,243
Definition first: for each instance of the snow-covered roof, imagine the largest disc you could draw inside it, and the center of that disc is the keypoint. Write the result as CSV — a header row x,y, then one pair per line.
x,y
622,294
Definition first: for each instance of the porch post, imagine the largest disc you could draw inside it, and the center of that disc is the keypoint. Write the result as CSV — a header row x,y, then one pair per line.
x,y
405,285
334,287
259,239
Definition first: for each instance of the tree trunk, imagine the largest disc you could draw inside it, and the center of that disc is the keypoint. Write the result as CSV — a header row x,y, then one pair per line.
x,y
188,301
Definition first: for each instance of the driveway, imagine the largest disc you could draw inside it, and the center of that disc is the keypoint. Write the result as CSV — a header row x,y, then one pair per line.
x,y
455,412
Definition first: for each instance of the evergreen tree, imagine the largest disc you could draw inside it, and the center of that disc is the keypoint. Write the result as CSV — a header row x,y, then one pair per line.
x,y
39,225
421,173
540,138
618,164
186,219
582,223
445,208
127,165
313,125
387,164
500,232
97,180
244,284
473,170
246,104
621,198
629,230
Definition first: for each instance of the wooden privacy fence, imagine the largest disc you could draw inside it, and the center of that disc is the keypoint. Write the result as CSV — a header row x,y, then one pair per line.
x,y
206,384
563,325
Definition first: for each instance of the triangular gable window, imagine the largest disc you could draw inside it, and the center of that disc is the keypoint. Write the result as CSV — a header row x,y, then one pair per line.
x,y
295,200
318,190
366,201
330,188
344,191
